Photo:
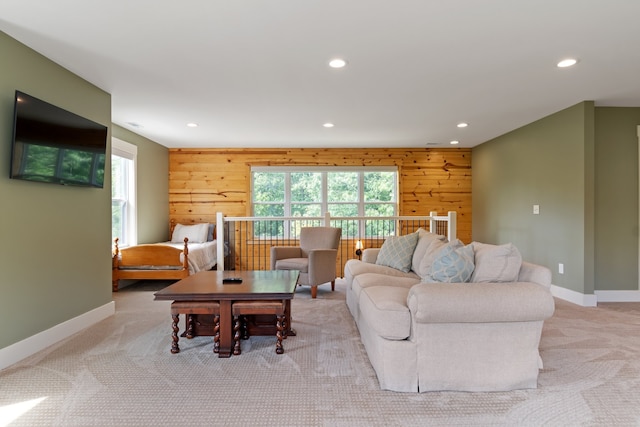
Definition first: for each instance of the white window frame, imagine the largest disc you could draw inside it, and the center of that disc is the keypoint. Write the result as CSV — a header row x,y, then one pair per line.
x,y
324,170
129,151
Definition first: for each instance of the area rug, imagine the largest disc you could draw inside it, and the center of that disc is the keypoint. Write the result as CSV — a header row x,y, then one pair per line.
x,y
120,372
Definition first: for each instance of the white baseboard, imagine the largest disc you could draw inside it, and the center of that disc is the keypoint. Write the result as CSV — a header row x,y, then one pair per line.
x,y
618,296
574,297
593,300
29,346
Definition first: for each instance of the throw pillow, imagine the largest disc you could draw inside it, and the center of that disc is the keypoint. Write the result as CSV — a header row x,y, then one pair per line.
x,y
452,265
431,253
196,233
397,252
425,239
496,263
211,232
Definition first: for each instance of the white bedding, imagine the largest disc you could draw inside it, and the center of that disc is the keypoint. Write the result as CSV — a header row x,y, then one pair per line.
x,y
202,256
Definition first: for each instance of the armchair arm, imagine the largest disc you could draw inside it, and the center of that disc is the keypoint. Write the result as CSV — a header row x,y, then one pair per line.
x,y
284,252
322,266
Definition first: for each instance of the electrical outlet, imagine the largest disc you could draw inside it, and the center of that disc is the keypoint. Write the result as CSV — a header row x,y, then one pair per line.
x,y
536,209
561,268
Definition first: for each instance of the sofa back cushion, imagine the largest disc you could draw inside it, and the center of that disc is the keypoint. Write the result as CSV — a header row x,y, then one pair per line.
x,y
397,252
496,263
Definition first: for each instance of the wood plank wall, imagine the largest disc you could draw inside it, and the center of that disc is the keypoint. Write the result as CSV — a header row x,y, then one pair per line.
x,y
205,181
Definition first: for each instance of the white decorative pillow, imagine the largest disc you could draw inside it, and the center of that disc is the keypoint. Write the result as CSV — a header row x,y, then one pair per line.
x,y
397,252
196,233
425,239
496,263
452,265
431,253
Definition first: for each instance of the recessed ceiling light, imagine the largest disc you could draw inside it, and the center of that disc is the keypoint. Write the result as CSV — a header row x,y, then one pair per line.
x,y
462,125
337,63
567,63
454,142
328,125
192,125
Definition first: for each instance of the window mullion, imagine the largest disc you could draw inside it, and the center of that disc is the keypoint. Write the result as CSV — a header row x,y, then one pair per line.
x,y
324,203
287,204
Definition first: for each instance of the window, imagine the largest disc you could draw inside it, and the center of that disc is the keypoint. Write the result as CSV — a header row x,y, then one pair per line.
x,y
310,192
123,192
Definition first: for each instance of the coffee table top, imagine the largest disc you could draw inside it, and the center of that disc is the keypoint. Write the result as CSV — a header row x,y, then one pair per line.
x,y
207,286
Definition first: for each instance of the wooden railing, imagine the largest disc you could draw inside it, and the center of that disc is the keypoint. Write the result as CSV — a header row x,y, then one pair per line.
x,y
249,239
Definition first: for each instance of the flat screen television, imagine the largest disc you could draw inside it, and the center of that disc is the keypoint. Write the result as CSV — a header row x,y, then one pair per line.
x,y
56,146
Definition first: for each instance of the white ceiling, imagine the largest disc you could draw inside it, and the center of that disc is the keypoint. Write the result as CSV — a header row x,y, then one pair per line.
x,y
253,73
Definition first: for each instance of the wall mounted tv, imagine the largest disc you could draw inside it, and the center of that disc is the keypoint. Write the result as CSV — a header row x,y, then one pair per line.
x,y
56,146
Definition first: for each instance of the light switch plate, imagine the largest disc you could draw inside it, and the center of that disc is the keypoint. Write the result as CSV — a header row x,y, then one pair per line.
x,y
536,209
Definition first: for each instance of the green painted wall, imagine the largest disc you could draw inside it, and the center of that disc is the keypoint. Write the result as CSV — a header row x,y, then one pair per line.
x,y
55,251
581,166
152,188
616,211
547,163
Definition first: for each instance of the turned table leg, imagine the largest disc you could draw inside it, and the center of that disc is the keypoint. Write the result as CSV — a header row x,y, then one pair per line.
x,y
236,336
174,335
279,334
216,334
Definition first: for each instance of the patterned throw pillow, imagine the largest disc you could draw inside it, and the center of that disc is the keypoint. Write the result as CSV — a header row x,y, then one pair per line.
x,y
453,265
397,252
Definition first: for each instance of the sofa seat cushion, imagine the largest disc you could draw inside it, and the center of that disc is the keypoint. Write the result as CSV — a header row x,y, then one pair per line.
x,y
354,267
369,280
301,264
385,310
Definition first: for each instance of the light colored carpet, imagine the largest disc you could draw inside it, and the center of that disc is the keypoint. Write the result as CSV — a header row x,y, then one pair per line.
x,y
120,373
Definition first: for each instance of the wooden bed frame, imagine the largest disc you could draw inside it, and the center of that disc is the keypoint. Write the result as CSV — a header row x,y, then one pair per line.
x,y
165,258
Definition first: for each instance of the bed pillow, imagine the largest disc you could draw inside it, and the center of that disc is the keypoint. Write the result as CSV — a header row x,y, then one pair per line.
x,y
496,263
196,233
397,252
452,265
211,233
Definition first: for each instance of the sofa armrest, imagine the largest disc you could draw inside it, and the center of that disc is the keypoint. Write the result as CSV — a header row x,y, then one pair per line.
x,y
370,255
284,252
480,302
534,273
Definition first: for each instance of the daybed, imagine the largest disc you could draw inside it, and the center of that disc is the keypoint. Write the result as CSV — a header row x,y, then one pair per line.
x,y
192,248
436,316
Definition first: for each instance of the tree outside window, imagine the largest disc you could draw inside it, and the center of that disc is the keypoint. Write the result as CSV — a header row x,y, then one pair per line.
x,y
309,193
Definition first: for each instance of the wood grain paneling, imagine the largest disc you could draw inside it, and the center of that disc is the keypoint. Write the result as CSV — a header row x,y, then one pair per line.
x,y
205,181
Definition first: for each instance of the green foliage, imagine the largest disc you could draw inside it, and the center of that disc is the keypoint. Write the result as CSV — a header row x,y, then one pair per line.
x,y
342,186
306,186
343,199
268,187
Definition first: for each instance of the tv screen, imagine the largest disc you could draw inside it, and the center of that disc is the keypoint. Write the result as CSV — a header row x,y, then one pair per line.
x,y
56,146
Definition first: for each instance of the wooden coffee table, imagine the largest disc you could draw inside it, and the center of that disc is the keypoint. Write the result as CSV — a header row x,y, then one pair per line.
x,y
269,285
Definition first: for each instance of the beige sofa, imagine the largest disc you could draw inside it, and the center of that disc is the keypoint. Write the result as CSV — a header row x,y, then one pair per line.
x,y
480,335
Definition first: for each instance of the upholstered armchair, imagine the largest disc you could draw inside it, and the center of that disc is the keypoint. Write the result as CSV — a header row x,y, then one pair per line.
x,y
315,258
